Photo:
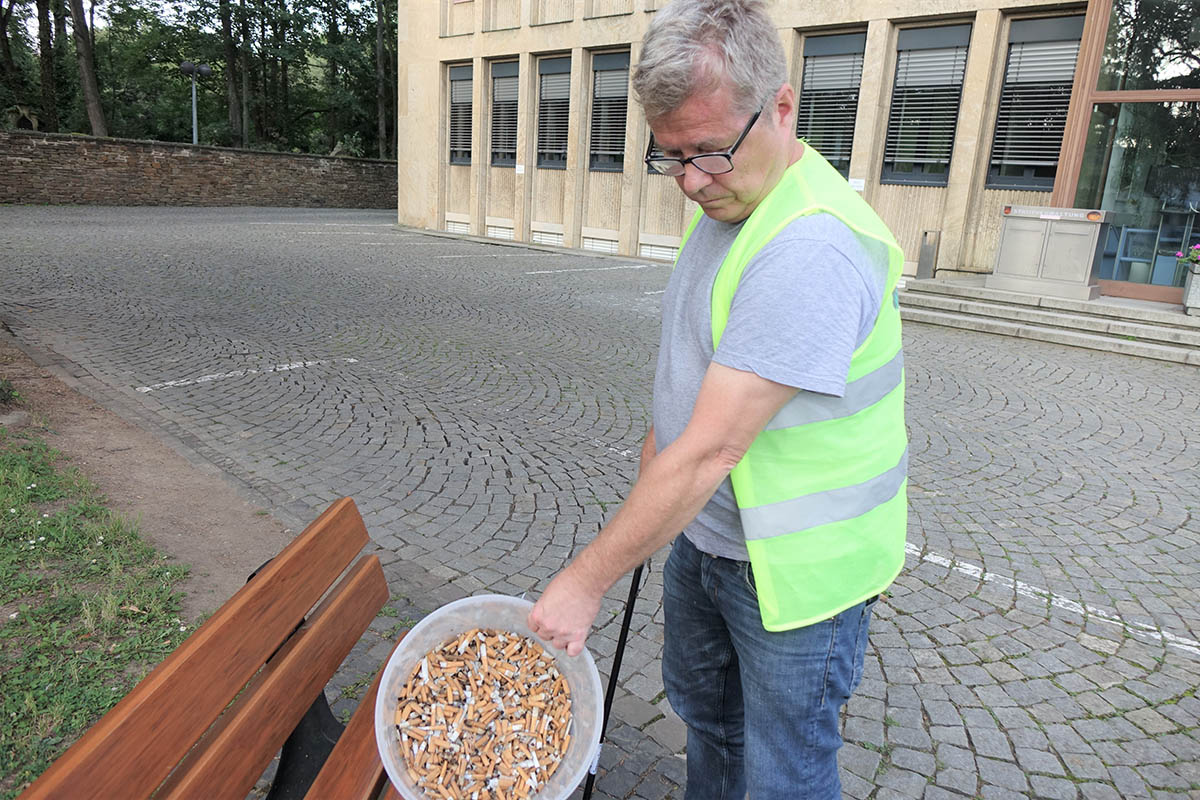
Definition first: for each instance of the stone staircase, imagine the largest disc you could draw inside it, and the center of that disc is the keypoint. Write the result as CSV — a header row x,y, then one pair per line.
x,y
1118,325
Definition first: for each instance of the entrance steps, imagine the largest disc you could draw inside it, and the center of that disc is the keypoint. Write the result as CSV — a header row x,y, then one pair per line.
x,y
1117,325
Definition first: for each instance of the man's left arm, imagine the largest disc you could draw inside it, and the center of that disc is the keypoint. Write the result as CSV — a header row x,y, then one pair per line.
x,y
732,408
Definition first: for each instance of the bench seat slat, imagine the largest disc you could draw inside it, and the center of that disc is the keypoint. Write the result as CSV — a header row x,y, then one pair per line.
x,y
133,748
233,755
353,770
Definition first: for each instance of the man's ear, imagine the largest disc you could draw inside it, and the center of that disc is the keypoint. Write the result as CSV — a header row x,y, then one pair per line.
x,y
785,106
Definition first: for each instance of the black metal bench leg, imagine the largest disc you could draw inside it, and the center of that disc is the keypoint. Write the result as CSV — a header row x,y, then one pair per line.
x,y
305,751
610,692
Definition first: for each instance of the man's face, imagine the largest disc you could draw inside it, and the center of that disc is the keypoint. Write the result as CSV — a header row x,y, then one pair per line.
x,y
707,122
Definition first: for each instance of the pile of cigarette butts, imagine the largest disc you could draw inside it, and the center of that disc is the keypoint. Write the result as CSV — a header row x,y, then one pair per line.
x,y
485,716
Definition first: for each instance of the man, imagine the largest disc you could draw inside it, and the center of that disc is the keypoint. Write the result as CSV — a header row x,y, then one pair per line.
x,y
778,444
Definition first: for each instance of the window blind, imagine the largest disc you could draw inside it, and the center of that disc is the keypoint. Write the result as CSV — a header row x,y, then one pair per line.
x,y
554,92
504,120
610,103
828,105
924,113
460,115
1032,114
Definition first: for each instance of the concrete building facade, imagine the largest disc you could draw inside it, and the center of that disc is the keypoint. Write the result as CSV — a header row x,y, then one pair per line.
x,y
516,121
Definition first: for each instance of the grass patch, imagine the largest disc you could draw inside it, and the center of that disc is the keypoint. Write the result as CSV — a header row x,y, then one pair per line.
x,y
86,608
9,395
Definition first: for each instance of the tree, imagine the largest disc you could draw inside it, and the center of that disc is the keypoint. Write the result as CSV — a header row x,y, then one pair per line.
x,y
380,77
85,55
302,75
244,69
231,74
12,77
334,120
385,76
49,116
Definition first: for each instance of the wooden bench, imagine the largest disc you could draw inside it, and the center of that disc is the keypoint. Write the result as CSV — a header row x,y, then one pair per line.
x,y
208,720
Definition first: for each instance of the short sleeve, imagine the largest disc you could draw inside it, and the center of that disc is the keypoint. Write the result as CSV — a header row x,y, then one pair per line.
x,y
804,304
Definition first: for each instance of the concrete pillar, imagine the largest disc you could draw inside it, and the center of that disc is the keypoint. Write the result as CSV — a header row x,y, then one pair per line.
x,y
480,135
635,171
576,146
968,162
874,100
526,142
440,165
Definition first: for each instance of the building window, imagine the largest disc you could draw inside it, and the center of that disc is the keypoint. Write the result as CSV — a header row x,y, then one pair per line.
x,y
828,101
1140,163
1033,102
1152,44
554,106
610,104
930,66
460,114
504,114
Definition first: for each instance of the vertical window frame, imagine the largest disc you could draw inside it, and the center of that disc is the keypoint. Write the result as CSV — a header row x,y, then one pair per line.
x,y
914,96
461,84
830,84
1028,34
553,111
609,112
505,116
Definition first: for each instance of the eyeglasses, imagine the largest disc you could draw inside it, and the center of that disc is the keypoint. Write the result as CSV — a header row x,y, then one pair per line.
x,y
710,163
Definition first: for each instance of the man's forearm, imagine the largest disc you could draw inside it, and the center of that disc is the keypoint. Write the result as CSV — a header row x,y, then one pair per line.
x,y
672,489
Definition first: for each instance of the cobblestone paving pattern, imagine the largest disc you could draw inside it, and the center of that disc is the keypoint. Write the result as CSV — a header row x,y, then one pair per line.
x,y
484,404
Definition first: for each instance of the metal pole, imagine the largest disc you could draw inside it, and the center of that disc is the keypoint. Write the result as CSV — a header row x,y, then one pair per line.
x,y
195,140
634,585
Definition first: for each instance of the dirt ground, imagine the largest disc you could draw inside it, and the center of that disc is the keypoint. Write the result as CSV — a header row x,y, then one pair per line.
x,y
191,516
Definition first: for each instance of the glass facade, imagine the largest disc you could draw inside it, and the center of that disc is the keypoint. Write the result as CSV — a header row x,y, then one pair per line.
x,y
1152,44
1142,162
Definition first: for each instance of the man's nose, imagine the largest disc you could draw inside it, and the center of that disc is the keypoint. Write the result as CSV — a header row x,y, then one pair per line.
x,y
693,179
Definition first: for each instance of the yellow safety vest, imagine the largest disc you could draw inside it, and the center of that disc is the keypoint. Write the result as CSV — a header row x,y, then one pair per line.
x,y
822,490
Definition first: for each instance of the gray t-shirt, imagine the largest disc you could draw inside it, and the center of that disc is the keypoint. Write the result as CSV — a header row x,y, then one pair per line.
x,y
805,302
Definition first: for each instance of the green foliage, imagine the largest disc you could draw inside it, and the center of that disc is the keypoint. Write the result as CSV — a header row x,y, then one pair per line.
x,y
86,608
8,393
311,76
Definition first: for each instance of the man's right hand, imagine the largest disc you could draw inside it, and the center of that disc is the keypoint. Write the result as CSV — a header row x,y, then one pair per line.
x,y
564,614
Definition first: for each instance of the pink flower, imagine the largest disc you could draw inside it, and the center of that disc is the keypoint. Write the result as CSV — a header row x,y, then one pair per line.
x,y
1179,255
1196,247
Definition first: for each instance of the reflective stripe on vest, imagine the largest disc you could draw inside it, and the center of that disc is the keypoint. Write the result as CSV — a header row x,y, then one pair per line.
x,y
863,393
821,508
822,490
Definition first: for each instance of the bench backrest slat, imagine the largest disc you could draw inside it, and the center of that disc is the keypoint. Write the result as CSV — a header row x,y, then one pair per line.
x,y
133,748
233,755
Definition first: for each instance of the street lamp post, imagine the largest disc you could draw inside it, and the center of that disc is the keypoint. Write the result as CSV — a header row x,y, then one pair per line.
x,y
203,70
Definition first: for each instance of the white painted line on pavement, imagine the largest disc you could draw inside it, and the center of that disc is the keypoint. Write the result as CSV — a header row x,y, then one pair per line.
x,y
660,291
595,269
238,373
333,224
1020,587
499,255
355,233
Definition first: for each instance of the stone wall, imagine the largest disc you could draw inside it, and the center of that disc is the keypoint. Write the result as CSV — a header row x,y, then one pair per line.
x,y
41,168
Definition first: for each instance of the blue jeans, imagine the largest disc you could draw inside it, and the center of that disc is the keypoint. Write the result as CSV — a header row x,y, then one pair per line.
x,y
761,708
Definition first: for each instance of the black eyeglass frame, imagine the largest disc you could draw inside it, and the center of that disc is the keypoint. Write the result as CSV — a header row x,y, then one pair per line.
x,y
653,161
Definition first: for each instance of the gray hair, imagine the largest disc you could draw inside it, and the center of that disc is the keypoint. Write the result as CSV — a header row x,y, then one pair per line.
x,y
692,45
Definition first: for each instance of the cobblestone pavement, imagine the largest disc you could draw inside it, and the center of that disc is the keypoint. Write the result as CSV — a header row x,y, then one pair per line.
x,y
484,405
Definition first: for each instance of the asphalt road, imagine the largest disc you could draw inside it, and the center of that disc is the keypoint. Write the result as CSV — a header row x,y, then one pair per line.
x,y
484,404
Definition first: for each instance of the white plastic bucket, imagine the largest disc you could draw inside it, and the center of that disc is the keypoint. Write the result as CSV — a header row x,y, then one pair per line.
x,y
502,613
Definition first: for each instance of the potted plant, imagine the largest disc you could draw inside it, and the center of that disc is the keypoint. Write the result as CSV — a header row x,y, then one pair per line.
x,y
1190,260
